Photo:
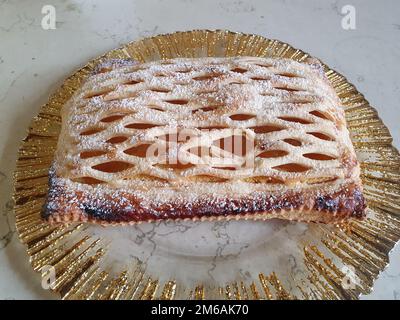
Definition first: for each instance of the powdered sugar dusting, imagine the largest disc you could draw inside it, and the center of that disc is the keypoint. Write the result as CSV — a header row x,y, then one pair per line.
x,y
144,102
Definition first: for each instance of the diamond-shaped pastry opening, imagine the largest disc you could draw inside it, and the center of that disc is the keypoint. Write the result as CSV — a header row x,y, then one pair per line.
x,y
273,154
288,89
225,168
92,154
318,156
296,120
213,127
292,167
260,78
207,77
293,142
112,118
175,165
180,102
239,70
132,82
140,150
288,75
91,131
141,125
267,128
322,115
322,136
103,70
98,93
117,139
113,166
242,116
160,90
157,108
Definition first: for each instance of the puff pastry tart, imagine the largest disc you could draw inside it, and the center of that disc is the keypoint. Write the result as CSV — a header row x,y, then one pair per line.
x,y
204,139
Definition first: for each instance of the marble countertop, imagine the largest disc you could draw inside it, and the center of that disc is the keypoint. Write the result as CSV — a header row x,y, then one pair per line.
x,y
34,61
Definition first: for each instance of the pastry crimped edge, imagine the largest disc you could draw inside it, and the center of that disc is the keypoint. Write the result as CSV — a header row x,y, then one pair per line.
x,y
324,207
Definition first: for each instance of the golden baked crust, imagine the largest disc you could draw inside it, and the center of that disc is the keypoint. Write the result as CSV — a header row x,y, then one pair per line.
x,y
207,138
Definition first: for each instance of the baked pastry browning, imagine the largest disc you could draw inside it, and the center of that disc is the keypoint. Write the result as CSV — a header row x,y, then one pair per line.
x,y
206,138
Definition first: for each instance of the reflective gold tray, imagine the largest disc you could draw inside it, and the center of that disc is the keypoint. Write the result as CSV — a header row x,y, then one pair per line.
x,y
196,260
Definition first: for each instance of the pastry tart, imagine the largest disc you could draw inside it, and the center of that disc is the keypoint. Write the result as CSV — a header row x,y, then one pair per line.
x,y
204,139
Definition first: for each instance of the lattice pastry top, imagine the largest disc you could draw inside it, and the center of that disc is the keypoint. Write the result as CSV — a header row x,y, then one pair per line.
x,y
205,138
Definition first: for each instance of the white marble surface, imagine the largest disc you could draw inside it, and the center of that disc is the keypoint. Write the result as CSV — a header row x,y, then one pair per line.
x,y
33,62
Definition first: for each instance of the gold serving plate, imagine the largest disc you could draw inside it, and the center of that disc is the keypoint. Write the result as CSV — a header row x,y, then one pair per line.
x,y
324,255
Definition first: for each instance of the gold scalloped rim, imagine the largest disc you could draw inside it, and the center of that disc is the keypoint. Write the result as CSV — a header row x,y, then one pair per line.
x,y
77,258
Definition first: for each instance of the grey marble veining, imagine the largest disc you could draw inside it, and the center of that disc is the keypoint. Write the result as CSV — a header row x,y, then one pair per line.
x,y
33,62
